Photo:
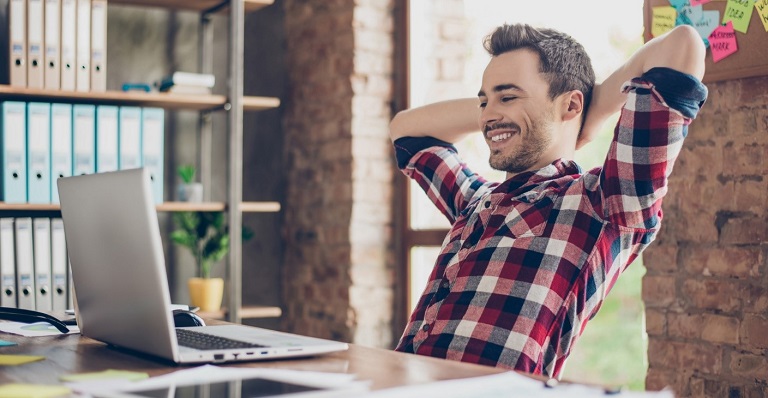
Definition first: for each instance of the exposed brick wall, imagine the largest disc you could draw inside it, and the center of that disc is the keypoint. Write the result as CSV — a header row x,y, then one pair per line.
x,y
706,288
337,277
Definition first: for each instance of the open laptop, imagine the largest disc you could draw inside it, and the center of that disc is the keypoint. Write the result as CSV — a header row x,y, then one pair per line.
x,y
119,276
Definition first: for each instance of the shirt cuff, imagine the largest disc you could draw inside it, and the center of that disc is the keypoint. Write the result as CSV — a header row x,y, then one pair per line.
x,y
406,147
681,91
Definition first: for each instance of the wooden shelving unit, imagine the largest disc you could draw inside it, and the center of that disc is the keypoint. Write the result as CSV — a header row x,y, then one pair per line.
x,y
194,5
245,207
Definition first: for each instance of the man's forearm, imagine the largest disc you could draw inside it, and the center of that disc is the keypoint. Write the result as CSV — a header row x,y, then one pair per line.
x,y
449,121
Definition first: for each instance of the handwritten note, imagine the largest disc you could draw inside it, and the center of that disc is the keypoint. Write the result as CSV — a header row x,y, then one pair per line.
x,y
706,24
688,15
762,11
663,20
699,2
739,12
32,390
722,41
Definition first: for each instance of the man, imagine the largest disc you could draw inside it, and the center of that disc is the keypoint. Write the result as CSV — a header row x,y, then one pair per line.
x,y
528,261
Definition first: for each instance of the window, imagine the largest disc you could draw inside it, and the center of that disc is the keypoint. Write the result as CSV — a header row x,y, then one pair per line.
x,y
446,60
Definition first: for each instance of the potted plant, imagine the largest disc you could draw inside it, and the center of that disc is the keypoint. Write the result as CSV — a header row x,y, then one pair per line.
x,y
207,238
189,190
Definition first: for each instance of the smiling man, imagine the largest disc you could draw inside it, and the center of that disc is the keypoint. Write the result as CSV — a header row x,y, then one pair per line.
x,y
528,261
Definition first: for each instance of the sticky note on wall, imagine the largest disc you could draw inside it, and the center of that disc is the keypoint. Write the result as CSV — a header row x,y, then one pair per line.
x,y
722,41
707,23
699,2
762,11
663,20
739,12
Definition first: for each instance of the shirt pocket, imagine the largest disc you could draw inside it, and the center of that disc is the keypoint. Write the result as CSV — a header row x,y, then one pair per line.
x,y
529,214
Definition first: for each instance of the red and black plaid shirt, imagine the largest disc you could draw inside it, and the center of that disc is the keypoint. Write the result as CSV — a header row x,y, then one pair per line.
x,y
528,262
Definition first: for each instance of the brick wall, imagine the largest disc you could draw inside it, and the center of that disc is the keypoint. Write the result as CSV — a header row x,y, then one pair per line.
x,y
706,288
337,275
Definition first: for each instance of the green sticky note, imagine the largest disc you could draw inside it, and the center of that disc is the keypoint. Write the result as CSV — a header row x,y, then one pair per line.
x,y
739,12
18,359
106,374
32,391
5,343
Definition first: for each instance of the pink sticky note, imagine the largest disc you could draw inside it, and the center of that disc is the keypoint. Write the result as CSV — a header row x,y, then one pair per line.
x,y
722,41
699,2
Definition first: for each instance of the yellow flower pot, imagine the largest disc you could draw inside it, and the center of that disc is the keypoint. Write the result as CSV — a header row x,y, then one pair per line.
x,y
206,293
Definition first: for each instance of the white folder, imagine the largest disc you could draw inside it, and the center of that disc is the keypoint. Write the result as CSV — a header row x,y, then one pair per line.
x,y
41,243
68,44
106,138
39,152
7,263
83,139
25,271
61,145
35,57
17,46
98,45
83,46
152,131
130,137
13,131
52,78
59,263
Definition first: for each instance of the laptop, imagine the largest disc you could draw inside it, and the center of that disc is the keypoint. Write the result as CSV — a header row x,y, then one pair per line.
x,y
119,276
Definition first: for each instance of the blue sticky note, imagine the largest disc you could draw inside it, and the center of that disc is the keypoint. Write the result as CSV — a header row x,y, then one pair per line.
x,y
4,343
707,23
678,4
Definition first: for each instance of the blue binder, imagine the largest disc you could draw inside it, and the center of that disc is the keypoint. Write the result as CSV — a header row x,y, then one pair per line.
x,y
38,152
152,130
13,128
106,138
129,128
61,146
83,139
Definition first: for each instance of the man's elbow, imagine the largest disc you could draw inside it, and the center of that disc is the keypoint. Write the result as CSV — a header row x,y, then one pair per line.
x,y
397,126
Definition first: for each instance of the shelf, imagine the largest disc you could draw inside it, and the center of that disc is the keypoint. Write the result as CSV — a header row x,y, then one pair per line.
x,y
194,5
134,98
245,207
249,311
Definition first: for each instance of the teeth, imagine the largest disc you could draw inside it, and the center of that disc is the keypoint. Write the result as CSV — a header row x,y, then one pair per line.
x,y
500,137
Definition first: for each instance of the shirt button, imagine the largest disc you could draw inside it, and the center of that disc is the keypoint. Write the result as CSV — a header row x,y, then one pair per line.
x,y
425,327
487,204
467,244
445,284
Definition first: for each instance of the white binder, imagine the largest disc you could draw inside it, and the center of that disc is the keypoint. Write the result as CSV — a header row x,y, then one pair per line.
x,y
13,144
35,58
106,138
59,264
83,46
41,243
152,138
39,152
130,137
7,263
98,45
52,75
17,46
68,44
83,139
25,271
61,145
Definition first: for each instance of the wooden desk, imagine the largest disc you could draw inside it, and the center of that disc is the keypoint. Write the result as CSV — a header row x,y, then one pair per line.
x,y
70,354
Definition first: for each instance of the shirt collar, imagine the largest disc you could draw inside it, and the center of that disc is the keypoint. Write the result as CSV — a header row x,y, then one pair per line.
x,y
527,180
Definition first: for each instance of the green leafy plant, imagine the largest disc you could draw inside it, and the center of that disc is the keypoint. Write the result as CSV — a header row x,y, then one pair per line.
x,y
206,236
187,173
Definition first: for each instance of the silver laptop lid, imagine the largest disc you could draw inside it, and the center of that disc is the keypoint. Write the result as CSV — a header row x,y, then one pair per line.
x,y
117,260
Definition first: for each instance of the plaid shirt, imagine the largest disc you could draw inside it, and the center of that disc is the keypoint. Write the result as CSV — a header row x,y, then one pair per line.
x,y
528,262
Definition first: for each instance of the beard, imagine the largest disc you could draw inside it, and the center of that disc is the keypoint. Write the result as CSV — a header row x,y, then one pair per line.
x,y
527,154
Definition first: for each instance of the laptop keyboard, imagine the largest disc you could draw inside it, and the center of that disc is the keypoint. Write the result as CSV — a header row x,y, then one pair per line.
x,y
203,341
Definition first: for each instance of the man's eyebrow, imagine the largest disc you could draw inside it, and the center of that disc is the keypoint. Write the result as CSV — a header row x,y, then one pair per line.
x,y
501,87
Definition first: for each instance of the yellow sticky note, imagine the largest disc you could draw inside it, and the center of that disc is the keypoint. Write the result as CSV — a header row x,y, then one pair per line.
x,y
762,12
106,374
739,12
18,359
663,20
32,391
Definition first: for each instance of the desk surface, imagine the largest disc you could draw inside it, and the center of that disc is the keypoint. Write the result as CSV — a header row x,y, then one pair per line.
x,y
70,354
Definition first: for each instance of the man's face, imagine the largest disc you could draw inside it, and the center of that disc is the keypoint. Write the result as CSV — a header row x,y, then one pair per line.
x,y
516,115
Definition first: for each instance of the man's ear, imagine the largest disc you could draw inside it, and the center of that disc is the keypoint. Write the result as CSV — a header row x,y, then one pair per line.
x,y
572,105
